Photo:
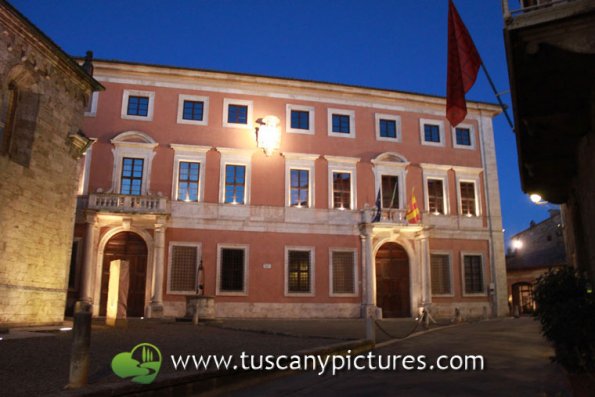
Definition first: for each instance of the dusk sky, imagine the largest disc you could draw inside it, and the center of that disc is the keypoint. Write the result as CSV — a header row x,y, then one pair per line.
x,y
397,45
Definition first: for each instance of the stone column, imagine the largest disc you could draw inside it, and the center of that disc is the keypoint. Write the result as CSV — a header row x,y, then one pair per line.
x,y
90,253
369,272
156,307
426,276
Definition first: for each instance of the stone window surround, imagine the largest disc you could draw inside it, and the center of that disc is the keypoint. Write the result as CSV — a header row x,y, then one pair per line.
x,y
471,136
246,249
440,124
342,112
450,270
312,271
440,172
169,264
393,117
468,174
391,169
242,102
143,150
311,119
342,164
128,93
231,156
94,98
300,161
193,98
192,154
483,272
355,273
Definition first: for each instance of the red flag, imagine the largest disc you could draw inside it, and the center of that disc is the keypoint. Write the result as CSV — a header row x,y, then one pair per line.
x,y
463,65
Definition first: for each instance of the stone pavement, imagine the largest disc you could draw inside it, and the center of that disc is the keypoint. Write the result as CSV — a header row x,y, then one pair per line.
x,y
37,363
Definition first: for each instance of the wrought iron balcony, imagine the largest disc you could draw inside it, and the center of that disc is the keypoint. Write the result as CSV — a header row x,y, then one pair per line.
x,y
128,203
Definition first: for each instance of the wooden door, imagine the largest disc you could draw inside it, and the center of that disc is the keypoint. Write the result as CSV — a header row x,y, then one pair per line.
x,y
392,281
130,247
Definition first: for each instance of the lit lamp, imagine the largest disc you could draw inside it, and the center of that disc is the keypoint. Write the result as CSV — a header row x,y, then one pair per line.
x,y
268,135
536,199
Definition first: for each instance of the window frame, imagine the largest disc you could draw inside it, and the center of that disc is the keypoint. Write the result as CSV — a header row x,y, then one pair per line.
x,y
436,172
220,248
390,168
231,156
440,124
450,272
171,245
132,177
91,110
150,109
347,165
466,174
471,137
312,268
123,148
193,98
355,273
300,161
240,102
300,108
389,117
192,154
483,273
341,112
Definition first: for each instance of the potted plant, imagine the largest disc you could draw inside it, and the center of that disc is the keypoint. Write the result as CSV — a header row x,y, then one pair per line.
x,y
566,310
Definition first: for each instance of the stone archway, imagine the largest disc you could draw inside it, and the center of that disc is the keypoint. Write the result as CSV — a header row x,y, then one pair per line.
x,y
130,247
393,293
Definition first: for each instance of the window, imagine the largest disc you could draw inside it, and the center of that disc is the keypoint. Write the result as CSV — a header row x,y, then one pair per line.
x,y
388,127
463,136
300,119
473,271
237,113
183,268
390,191
132,176
299,271
232,270
343,274
299,188
440,273
138,105
188,176
342,190
468,203
193,110
7,126
435,196
91,109
235,182
341,123
432,132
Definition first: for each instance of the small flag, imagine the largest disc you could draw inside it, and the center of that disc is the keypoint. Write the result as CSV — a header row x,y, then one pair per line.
x,y
378,208
463,65
413,215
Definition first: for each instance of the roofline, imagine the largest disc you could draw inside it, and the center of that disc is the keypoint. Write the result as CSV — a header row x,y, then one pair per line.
x,y
54,48
472,105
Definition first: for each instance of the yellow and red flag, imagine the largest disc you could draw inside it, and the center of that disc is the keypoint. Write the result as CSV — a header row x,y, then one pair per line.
x,y
413,215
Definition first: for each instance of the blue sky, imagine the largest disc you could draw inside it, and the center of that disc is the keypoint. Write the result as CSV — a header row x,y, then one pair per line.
x,y
398,44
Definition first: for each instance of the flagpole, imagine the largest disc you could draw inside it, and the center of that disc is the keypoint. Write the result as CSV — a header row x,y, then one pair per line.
x,y
504,109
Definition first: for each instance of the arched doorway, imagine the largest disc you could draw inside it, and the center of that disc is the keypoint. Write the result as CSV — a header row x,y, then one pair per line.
x,y
392,281
130,247
522,297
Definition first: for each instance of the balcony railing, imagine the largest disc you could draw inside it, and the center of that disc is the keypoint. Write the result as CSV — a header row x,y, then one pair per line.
x,y
127,203
526,6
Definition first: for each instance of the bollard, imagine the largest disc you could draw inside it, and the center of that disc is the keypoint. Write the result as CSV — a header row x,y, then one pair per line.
x,y
81,341
195,314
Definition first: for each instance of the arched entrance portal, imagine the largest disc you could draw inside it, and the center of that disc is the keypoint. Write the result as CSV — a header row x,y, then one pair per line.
x,y
130,247
392,281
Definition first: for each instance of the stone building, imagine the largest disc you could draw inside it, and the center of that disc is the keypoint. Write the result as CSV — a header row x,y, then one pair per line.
x,y
260,192
43,94
551,63
532,252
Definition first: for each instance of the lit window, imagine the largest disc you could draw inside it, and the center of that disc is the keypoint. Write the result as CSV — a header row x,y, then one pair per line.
x,y
390,191
468,203
299,188
188,176
132,176
435,196
298,271
138,106
235,183
440,272
342,190
473,274
343,272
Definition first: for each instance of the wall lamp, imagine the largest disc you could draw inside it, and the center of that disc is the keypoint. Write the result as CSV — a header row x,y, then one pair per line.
x,y
268,134
537,199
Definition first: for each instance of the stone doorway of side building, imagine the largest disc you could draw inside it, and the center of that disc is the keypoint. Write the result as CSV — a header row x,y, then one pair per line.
x,y
393,281
522,298
130,247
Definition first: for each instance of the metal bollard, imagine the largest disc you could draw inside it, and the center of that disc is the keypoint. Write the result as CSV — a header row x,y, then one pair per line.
x,y
81,341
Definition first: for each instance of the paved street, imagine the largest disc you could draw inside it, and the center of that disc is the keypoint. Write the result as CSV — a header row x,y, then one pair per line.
x,y
516,364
